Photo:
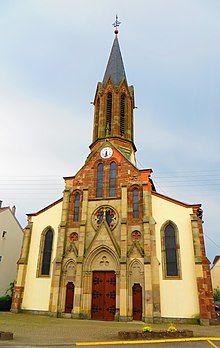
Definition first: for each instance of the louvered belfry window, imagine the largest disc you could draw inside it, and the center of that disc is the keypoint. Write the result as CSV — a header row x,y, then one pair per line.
x,y
100,177
122,115
76,207
97,118
171,251
109,113
135,202
48,241
112,183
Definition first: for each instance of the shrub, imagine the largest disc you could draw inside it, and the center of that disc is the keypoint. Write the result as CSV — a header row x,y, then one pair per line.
x,y
147,329
172,328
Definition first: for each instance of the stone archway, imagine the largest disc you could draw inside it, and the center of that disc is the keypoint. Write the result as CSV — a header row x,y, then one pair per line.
x,y
100,285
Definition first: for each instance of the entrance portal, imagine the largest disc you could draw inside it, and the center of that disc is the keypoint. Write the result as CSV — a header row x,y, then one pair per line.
x,y
103,295
137,302
69,297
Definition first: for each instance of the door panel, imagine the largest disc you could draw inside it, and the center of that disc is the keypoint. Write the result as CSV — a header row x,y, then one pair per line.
x,y
103,295
69,297
137,301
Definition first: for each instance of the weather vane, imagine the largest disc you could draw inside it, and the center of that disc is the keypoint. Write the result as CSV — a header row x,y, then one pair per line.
x,y
116,24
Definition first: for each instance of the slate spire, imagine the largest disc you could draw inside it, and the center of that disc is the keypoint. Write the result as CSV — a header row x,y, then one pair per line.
x,y
115,67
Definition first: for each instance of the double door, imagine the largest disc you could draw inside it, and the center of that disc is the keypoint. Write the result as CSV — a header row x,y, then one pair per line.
x,y
103,295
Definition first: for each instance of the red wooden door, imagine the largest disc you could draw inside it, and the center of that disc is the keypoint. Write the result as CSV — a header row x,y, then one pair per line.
x,y
137,302
69,297
103,295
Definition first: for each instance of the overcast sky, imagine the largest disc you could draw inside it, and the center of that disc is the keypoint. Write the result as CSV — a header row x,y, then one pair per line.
x,y
53,53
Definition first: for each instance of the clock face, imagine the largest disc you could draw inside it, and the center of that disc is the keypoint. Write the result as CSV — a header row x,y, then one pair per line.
x,y
106,152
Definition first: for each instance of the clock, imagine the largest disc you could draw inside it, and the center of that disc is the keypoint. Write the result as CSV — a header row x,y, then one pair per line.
x,y
106,152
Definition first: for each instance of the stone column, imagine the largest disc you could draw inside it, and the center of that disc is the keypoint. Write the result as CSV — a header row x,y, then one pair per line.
x,y
22,270
57,268
123,286
79,271
203,277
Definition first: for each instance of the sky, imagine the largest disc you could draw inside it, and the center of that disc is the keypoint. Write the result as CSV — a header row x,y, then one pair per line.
x,y
52,55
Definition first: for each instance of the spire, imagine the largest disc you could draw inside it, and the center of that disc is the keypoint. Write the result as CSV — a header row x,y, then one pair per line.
x,y
115,67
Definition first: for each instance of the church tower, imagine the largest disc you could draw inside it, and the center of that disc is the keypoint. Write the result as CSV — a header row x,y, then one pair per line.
x,y
114,105
112,248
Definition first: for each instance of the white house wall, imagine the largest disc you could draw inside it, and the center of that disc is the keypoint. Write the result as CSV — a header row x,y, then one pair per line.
x,y
10,247
37,289
179,298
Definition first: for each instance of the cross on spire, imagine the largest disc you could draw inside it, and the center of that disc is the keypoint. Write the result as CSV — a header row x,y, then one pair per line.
x,y
116,24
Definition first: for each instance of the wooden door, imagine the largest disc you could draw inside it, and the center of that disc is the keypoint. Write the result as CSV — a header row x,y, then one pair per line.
x,y
69,297
137,302
103,295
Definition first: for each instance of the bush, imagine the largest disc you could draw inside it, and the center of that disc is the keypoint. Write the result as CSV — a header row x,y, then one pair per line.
x,y
147,329
172,328
216,294
5,303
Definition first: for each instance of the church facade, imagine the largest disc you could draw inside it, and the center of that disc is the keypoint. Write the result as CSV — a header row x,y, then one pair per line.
x,y
112,248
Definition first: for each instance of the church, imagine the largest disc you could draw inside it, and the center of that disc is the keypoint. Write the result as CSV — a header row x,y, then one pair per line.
x,y
113,248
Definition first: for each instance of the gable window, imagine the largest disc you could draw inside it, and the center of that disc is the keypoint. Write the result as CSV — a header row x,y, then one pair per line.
x,y
122,115
100,177
112,184
135,203
47,251
76,207
109,113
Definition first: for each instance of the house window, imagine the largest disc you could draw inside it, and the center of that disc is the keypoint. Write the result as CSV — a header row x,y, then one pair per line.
x,y
1,258
76,207
100,176
135,203
47,251
112,184
122,115
109,113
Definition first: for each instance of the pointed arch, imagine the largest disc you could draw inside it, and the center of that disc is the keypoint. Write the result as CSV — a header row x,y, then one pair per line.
x,y
112,180
122,114
91,259
76,211
108,113
100,180
45,252
170,250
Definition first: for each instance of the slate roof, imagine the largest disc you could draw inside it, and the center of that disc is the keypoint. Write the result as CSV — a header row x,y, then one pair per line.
x,y
115,67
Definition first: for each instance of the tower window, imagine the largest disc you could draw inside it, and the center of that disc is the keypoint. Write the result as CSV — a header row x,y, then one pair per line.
x,y
76,207
47,251
135,203
109,113
100,177
122,115
97,118
112,184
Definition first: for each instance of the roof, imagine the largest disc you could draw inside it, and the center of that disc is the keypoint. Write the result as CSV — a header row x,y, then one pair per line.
x,y
115,67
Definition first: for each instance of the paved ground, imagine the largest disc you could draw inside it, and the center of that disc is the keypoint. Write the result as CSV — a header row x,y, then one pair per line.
x,y
33,330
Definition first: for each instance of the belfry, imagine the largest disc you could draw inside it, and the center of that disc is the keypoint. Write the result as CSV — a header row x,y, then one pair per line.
x,y
112,248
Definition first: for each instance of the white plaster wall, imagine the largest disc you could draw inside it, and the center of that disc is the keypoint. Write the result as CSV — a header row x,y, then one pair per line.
x,y
10,248
179,298
37,290
215,275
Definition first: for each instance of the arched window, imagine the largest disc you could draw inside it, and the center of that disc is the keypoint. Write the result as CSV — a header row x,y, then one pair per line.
x,y
47,250
112,183
76,207
135,203
109,113
122,115
97,119
100,177
170,251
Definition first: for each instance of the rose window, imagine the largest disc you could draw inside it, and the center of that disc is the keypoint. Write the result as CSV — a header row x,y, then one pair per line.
x,y
105,214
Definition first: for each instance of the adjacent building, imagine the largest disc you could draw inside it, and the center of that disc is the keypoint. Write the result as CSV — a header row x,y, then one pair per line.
x,y
113,248
11,236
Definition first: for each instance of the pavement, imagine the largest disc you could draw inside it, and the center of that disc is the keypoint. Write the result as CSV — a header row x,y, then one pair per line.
x,y
35,330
